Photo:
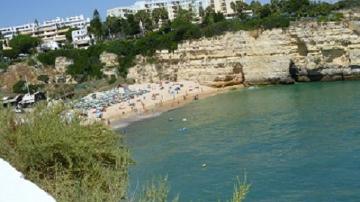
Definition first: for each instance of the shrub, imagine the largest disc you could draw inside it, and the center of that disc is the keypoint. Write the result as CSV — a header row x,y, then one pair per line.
x,y
275,22
10,53
31,62
3,64
47,58
241,189
301,47
158,191
19,87
71,161
112,80
43,78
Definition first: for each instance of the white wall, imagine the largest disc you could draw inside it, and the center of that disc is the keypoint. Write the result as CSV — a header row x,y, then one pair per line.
x,y
14,188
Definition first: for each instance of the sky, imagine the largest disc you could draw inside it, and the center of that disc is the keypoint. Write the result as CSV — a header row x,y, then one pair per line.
x,y
17,12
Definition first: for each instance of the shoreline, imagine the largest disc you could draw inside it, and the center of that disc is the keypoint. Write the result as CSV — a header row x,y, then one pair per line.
x,y
119,121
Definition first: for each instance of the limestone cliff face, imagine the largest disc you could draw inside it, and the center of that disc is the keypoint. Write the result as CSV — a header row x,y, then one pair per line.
x,y
306,51
327,52
109,59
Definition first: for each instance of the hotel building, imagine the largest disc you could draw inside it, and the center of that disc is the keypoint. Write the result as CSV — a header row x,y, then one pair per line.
x,y
223,6
49,31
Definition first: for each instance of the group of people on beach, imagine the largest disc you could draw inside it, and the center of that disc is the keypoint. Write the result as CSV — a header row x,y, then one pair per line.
x,y
144,99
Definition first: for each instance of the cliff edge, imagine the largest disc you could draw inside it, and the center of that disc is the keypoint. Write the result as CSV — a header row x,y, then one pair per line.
x,y
306,51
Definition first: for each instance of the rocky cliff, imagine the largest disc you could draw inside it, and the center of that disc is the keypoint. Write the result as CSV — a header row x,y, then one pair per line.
x,y
306,51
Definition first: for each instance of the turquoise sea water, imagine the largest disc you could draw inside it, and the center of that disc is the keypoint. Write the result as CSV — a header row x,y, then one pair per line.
x,y
296,143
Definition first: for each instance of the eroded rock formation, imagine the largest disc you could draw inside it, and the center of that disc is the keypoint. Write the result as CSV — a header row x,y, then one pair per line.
x,y
109,59
306,51
62,63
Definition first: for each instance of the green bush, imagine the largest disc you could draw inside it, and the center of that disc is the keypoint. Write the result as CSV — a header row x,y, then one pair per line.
x,y
70,160
112,80
43,78
31,62
10,53
24,43
4,64
275,22
47,58
19,87
86,62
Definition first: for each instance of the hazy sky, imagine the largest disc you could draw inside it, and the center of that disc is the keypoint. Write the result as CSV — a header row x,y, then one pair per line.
x,y
16,12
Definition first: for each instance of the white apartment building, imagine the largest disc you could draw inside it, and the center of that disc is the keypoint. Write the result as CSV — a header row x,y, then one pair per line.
x,y
81,38
124,11
223,6
48,31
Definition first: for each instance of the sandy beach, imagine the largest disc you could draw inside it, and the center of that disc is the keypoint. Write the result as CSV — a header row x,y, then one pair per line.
x,y
154,99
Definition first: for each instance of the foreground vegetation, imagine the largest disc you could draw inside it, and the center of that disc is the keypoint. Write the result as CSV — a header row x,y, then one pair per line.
x,y
74,162
71,161
158,191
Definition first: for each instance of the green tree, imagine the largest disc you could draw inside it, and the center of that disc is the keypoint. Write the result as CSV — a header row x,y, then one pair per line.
x,y
115,26
24,44
68,34
96,26
239,7
296,7
185,15
131,27
265,11
346,4
36,22
319,9
212,17
182,27
159,15
256,7
144,18
201,12
276,6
